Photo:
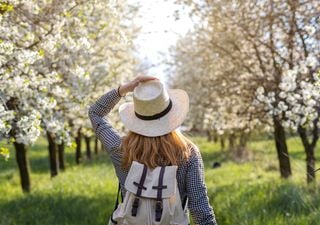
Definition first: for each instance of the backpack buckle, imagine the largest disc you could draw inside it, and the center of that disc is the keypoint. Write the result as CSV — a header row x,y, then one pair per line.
x,y
135,206
159,207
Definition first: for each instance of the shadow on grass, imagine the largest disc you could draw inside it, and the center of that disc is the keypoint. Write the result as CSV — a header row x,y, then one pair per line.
x,y
57,210
40,165
215,156
101,158
298,154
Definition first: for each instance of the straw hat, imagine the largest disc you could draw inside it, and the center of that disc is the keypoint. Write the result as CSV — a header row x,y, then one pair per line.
x,y
155,111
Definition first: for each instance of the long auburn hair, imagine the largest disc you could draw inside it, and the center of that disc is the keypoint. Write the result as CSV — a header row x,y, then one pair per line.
x,y
169,149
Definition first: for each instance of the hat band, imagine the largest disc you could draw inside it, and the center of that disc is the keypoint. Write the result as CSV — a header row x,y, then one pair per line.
x,y
155,116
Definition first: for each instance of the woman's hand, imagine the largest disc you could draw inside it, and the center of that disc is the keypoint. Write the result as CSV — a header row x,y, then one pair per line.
x,y
129,87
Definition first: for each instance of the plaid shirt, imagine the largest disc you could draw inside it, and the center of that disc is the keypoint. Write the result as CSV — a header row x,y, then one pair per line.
x,y
190,175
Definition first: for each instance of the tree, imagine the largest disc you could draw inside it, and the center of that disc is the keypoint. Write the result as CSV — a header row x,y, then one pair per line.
x,y
244,45
50,55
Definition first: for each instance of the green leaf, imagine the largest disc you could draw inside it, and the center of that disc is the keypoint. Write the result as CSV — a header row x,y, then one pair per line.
x,y
5,153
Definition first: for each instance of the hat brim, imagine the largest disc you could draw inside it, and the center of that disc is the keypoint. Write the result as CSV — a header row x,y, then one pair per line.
x,y
164,125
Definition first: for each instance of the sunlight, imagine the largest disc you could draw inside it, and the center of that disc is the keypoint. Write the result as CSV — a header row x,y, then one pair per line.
x,y
161,28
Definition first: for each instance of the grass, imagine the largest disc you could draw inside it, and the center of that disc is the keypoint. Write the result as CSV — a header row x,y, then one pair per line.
x,y
248,193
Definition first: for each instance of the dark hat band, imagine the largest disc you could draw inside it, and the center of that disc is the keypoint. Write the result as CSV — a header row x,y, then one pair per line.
x,y
155,116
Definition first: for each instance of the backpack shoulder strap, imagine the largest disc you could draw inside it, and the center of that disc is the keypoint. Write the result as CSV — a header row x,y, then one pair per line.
x,y
140,186
117,203
160,187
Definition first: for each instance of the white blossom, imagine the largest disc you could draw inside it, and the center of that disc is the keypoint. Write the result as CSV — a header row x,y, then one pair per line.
x,y
29,128
312,61
6,48
310,29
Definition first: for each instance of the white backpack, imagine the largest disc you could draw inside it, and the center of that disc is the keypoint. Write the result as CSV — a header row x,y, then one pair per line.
x,y
152,198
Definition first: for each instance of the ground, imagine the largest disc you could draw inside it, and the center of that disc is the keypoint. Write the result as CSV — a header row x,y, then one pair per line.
x,y
246,193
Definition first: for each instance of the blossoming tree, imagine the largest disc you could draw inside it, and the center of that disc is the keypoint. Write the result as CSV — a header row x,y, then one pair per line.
x,y
266,52
50,55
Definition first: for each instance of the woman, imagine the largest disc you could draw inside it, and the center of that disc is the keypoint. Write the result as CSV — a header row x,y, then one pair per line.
x,y
153,139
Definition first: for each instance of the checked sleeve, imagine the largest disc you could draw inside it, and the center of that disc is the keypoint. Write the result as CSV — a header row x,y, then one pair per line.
x,y
198,202
108,136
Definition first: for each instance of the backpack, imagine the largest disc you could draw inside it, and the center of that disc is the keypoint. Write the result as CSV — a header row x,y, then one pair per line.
x,y
152,198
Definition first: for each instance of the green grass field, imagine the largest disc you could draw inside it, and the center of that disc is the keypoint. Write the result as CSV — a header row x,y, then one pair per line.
x,y
249,193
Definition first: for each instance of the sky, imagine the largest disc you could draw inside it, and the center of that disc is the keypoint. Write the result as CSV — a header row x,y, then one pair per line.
x,y
160,30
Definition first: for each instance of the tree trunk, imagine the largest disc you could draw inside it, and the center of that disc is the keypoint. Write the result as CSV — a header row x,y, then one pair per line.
x,y
231,138
282,149
242,152
88,152
243,140
309,150
23,164
52,155
222,143
78,148
96,146
61,156
21,152
209,135
215,138
311,163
